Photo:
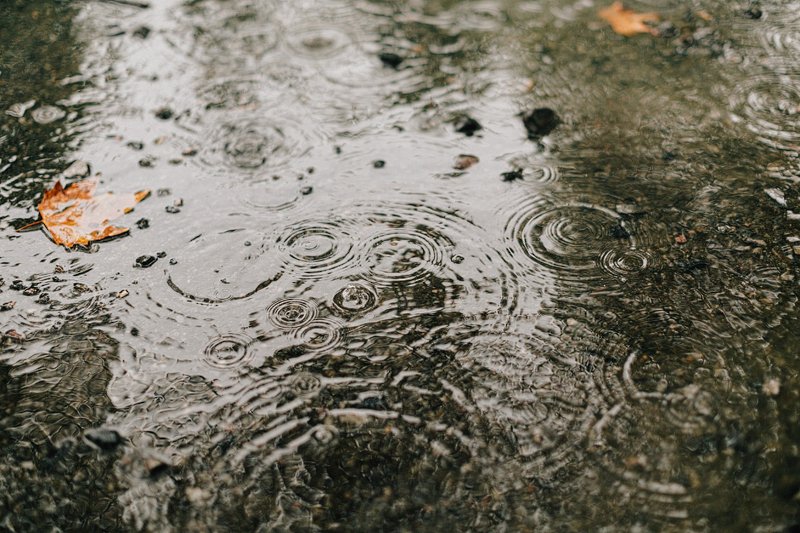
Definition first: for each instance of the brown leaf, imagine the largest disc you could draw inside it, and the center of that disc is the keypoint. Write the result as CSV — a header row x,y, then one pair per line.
x,y
73,215
627,22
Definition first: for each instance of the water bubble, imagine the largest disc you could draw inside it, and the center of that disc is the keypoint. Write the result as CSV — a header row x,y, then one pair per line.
x,y
354,298
767,105
405,255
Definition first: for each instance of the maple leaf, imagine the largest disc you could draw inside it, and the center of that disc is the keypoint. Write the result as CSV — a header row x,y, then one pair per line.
x,y
73,215
626,21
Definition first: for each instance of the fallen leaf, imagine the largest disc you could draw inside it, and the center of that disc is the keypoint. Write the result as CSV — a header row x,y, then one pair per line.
x,y
626,21
73,215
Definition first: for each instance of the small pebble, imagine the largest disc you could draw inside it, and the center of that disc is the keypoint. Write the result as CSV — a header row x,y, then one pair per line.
x,y
164,113
16,285
172,209
147,162
464,161
14,335
173,261
305,191
189,152
123,293
7,306
142,223
512,175
141,32
680,238
467,125
163,192
43,298
161,254
753,12
379,163
31,291
135,145
105,439
390,59
771,387
540,122
145,261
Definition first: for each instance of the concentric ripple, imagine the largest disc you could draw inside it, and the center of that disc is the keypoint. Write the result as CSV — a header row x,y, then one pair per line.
x,y
405,255
291,313
769,106
354,298
318,248
320,335
575,241
232,350
248,147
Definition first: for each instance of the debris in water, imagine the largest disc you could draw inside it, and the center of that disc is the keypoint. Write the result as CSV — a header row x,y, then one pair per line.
x,y
626,21
512,175
47,114
73,215
123,293
390,59
771,387
105,439
540,122
164,113
467,125
464,161
18,110
379,163
145,261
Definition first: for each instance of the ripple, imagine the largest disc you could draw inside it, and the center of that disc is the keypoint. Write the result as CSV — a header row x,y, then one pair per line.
x,y
767,105
305,383
320,335
354,298
249,147
227,351
47,113
781,30
405,255
230,94
318,42
576,241
537,400
318,248
291,313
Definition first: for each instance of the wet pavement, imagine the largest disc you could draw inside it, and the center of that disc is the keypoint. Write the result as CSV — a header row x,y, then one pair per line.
x,y
407,266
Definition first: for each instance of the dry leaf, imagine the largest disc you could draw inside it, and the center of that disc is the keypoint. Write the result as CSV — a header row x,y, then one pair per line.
x,y
73,215
627,22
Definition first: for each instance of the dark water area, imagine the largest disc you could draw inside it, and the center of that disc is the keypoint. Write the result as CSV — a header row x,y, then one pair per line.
x,y
378,302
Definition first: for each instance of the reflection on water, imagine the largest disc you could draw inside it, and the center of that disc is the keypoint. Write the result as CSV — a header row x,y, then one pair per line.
x,y
362,318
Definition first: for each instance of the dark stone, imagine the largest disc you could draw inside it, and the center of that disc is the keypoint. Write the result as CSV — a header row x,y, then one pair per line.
x,y
618,231
43,298
467,125
16,285
7,306
668,155
141,32
105,439
31,291
173,261
512,175
162,254
380,163
163,192
753,12
172,209
147,162
135,145
164,113
390,59
142,223
305,191
145,261
540,122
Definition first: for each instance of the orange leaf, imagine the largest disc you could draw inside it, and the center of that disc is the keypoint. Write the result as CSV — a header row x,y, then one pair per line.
x,y
627,22
73,215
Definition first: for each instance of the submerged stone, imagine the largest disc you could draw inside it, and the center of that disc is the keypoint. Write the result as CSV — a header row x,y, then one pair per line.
x,y
103,438
390,59
467,125
145,261
540,122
